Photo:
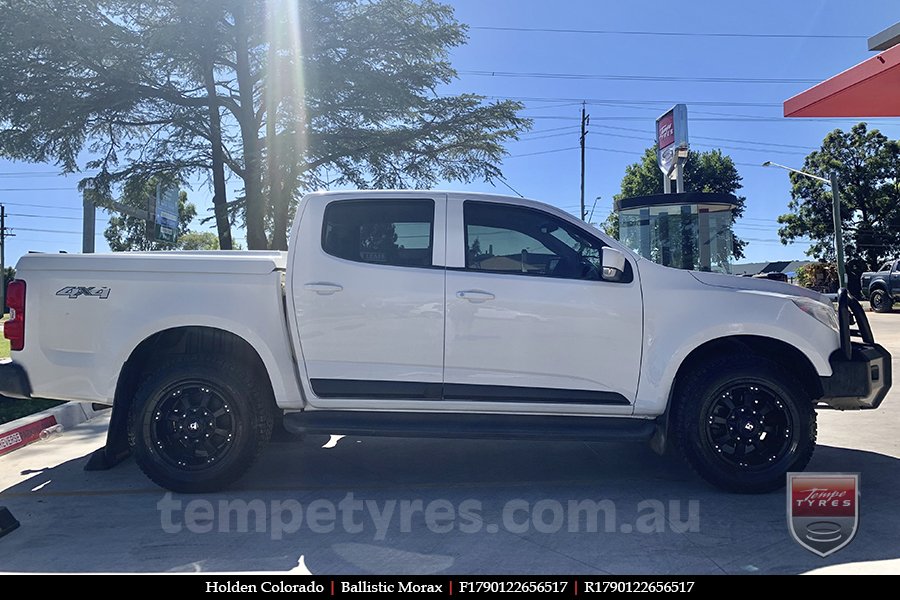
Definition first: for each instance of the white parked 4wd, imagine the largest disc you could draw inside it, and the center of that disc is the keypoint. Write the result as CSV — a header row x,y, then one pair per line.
x,y
413,313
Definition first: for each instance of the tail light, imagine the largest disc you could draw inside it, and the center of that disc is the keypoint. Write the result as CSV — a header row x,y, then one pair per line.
x,y
14,329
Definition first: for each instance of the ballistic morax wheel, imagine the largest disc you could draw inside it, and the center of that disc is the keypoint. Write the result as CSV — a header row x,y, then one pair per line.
x,y
744,422
196,424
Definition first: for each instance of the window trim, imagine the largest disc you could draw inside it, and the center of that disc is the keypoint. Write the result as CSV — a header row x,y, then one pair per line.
x,y
431,244
587,234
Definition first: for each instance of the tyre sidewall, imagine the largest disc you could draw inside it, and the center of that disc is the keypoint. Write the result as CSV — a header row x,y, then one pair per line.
x,y
226,380
880,301
704,457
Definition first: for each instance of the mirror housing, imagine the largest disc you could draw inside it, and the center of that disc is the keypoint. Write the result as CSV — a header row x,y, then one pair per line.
x,y
613,264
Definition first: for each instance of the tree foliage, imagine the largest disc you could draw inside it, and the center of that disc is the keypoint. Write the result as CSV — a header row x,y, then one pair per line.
x,y
820,276
711,172
199,240
868,167
282,95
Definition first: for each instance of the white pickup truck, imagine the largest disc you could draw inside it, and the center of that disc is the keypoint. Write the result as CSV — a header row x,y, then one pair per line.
x,y
414,313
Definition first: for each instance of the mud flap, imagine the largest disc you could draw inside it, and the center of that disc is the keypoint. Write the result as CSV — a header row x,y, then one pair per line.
x,y
116,449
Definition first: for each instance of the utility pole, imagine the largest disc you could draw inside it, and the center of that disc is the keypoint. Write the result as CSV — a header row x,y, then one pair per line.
x,y
89,218
585,121
3,235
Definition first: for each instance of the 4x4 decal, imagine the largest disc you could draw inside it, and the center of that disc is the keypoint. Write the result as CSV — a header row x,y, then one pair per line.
x,y
75,291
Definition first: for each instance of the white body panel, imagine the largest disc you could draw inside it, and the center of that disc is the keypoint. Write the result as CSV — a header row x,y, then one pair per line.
x,y
540,332
386,323
401,324
75,347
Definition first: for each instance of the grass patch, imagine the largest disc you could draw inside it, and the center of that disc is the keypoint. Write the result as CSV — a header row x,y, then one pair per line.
x,y
10,410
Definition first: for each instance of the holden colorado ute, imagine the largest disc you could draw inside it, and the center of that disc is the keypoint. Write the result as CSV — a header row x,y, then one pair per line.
x,y
414,313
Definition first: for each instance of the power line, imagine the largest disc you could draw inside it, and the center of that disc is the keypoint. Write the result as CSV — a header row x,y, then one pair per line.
x,y
543,152
711,34
659,102
724,147
717,139
38,189
721,119
552,135
533,131
30,205
32,216
47,230
663,78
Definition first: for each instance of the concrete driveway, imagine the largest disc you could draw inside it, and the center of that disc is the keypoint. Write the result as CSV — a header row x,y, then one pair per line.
x,y
372,505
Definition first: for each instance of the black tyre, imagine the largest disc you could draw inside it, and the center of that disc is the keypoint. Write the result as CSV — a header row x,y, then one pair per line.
x,y
881,301
744,422
197,423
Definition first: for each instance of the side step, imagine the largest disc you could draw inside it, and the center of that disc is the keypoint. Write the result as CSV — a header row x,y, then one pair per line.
x,y
470,426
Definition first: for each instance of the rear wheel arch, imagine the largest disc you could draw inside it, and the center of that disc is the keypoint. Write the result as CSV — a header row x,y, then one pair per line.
x,y
161,346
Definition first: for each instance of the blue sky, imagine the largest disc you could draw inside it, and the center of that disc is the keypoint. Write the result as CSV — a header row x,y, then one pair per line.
x,y
744,119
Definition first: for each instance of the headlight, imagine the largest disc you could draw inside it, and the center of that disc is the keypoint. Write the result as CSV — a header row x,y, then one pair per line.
x,y
825,315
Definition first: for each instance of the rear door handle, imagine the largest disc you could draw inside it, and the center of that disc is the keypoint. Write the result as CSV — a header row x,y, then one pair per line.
x,y
323,288
475,295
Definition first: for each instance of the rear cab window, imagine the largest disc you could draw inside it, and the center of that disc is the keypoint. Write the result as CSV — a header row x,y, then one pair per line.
x,y
381,232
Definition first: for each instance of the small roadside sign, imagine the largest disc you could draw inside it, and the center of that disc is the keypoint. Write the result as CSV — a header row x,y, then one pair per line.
x,y
165,217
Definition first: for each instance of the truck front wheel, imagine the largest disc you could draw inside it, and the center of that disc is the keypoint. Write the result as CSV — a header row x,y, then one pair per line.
x,y
881,301
197,423
744,422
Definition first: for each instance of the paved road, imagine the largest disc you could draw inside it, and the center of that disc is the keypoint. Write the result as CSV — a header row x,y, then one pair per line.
x,y
510,501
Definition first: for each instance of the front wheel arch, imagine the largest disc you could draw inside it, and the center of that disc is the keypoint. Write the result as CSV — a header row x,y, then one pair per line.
x,y
709,423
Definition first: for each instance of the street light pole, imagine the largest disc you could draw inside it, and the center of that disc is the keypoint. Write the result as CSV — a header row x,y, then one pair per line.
x,y
832,182
838,229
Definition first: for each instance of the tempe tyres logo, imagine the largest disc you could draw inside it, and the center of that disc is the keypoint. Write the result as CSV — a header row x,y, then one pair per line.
x,y
823,510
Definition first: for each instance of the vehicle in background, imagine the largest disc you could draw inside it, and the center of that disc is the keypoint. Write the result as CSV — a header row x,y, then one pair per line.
x,y
774,276
882,287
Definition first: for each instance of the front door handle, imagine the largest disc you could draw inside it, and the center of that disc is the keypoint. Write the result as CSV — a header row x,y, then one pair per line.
x,y
475,295
322,288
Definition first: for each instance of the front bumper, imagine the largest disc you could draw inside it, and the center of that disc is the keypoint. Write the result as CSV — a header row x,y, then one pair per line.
x,y
861,371
14,382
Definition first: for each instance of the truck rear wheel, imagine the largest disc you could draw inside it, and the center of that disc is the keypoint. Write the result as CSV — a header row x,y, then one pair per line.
x,y
881,301
197,423
744,422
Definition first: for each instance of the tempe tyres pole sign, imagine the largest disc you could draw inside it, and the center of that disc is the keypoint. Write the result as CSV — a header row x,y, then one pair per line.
x,y
672,145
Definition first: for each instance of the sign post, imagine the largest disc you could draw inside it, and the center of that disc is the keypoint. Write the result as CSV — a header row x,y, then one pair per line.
x,y
165,214
672,146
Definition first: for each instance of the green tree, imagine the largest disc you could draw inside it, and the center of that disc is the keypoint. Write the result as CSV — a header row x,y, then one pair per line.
x,y
709,171
868,168
198,240
126,233
288,96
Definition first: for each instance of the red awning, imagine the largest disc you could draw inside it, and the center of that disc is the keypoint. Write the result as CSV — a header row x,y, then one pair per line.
x,y
870,89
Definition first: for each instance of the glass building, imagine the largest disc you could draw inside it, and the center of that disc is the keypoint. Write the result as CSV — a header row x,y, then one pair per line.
x,y
690,231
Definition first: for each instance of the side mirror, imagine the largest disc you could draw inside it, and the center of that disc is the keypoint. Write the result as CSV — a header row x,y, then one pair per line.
x,y
613,264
